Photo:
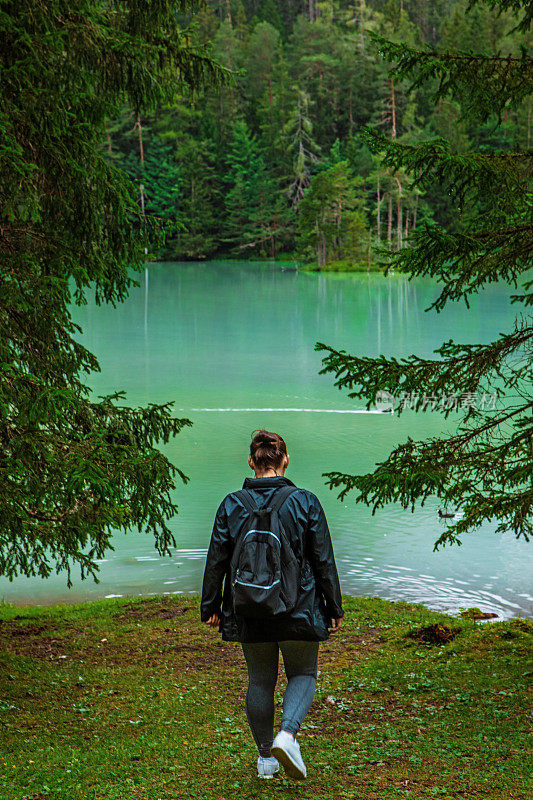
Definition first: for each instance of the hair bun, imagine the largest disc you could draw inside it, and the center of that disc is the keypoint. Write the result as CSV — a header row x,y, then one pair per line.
x,y
267,449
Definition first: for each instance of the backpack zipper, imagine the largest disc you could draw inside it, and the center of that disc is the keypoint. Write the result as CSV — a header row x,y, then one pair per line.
x,y
257,585
255,530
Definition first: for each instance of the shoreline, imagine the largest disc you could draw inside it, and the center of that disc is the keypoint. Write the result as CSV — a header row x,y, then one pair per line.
x,y
195,596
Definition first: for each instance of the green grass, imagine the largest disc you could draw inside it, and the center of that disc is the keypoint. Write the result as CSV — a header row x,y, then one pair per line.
x,y
135,698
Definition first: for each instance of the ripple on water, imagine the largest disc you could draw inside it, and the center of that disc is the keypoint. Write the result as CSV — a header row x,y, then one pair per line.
x,y
364,575
446,594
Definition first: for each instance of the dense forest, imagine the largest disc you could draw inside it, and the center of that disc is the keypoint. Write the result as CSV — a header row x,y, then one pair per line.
x,y
274,162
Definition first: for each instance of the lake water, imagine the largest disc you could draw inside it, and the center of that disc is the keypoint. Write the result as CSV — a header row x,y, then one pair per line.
x,y
232,344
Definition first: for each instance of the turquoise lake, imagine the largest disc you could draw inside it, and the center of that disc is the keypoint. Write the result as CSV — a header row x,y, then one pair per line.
x,y
232,344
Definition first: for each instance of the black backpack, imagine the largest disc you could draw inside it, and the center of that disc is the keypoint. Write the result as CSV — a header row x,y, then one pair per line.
x,y
265,573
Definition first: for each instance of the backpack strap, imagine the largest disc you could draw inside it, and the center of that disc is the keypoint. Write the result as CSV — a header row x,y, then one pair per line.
x,y
279,498
247,500
281,495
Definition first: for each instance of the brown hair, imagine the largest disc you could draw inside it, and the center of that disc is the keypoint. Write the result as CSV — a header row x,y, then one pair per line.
x,y
267,450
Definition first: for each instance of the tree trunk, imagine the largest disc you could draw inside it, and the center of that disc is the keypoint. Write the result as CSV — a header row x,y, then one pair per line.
x,y
379,213
528,121
141,154
339,221
399,223
312,11
141,146
323,253
398,215
389,223
393,110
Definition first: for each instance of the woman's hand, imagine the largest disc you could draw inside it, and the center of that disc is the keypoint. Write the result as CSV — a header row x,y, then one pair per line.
x,y
213,620
336,624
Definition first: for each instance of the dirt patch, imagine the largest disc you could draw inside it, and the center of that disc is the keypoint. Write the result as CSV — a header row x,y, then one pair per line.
x,y
351,648
181,645
157,608
342,711
182,656
32,640
437,634
153,646
206,656
476,613
522,624
11,629
363,638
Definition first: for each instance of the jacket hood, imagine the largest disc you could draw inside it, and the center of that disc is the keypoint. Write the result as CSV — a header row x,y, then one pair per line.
x,y
267,483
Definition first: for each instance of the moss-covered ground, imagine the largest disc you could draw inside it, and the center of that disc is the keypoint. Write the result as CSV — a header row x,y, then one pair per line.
x,y
135,698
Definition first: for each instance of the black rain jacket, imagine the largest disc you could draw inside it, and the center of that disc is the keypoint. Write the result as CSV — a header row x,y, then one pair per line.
x,y
305,524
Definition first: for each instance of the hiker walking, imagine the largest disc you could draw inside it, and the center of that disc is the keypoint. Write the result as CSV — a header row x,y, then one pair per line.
x,y
272,548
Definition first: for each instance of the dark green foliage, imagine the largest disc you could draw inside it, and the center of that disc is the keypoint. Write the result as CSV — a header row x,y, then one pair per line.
x,y
254,210
74,470
486,467
462,174
516,6
306,75
479,82
330,218
160,175
297,137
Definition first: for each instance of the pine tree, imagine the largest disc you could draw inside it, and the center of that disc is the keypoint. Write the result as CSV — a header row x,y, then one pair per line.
x,y
297,136
160,176
73,470
330,216
255,211
262,55
486,466
317,53
199,234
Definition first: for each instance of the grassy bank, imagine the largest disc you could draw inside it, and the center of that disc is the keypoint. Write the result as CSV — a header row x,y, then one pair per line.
x,y
344,266
137,699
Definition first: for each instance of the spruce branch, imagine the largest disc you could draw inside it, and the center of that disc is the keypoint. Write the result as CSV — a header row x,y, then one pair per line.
x,y
483,84
516,6
463,174
461,369
74,471
465,262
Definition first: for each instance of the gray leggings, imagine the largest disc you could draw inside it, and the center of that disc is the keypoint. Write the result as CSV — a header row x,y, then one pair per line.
x,y
300,660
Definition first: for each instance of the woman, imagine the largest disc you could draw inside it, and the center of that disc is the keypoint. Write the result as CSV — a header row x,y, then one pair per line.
x,y
297,633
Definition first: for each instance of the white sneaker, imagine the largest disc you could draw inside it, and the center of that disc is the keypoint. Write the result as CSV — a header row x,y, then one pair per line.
x,y
267,767
287,751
